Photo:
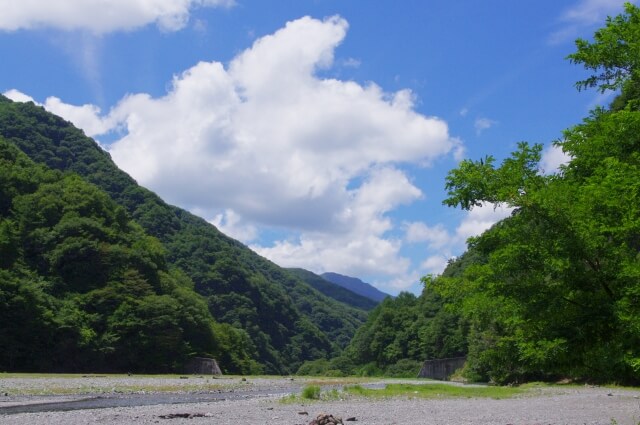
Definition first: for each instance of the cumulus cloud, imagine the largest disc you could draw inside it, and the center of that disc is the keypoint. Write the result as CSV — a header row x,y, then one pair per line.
x,y
99,16
552,158
400,283
231,224
442,244
435,264
87,117
358,245
18,96
266,142
584,14
437,236
481,218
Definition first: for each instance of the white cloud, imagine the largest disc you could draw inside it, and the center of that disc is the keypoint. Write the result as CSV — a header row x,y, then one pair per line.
x,y
400,283
442,244
267,138
99,16
18,96
356,256
459,151
266,142
351,63
480,219
552,158
437,236
358,245
87,117
435,264
482,124
588,12
584,14
231,224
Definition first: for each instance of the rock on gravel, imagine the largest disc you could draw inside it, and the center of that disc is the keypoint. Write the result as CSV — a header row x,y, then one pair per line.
x,y
326,419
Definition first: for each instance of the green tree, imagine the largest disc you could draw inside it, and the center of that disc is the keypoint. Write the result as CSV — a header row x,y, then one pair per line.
x,y
82,287
27,323
407,328
558,292
614,53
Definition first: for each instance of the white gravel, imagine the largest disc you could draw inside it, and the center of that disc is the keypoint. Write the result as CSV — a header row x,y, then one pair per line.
x,y
584,405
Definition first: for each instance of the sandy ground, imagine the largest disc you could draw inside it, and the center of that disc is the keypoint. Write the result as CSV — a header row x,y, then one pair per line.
x,y
571,405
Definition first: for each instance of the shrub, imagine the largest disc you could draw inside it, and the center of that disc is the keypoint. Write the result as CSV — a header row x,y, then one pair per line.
x,y
311,392
317,367
404,368
370,369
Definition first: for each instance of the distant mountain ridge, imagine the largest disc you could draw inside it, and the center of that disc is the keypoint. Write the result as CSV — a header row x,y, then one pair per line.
x,y
335,291
356,285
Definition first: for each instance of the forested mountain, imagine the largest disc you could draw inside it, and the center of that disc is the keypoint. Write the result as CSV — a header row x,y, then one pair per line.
x,y
553,291
83,287
408,327
402,332
334,290
98,273
286,321
356,285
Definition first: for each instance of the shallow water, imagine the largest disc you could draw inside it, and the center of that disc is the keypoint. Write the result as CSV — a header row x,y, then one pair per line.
x,y
130,400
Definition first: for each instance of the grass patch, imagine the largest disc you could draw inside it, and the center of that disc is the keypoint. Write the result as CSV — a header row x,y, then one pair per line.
x,y
16,375
435,391
335,381
313,393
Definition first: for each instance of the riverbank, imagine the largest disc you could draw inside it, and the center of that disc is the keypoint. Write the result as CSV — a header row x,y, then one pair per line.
x,y
254,401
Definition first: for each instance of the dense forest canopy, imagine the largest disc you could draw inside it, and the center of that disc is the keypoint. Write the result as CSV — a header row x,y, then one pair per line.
x,y
123,256
559,294
82,287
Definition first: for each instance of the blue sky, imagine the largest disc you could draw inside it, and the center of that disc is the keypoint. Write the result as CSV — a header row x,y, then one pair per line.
x,y
318,132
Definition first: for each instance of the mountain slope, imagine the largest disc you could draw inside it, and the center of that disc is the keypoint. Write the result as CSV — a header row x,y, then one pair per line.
x,y
356,285
287,320
335,291
83,288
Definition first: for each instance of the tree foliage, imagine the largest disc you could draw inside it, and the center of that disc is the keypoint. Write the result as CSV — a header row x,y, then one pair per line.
x,y
82,287
614,53
558,294
405,330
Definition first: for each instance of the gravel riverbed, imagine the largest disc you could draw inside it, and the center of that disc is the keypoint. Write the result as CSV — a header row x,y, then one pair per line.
x,y
258,401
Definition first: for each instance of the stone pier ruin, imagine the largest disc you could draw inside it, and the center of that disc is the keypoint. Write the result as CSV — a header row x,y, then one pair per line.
x,y
202,366
441,369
